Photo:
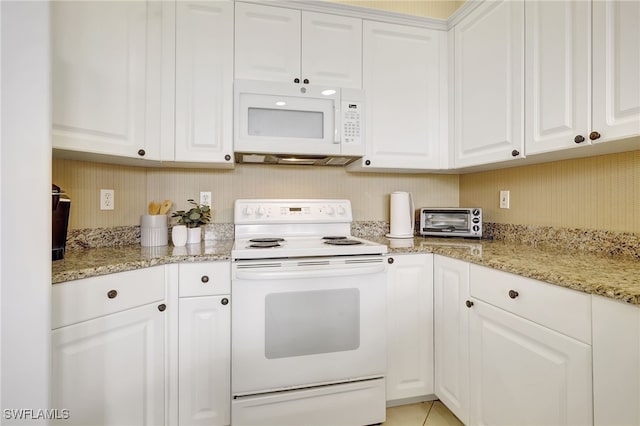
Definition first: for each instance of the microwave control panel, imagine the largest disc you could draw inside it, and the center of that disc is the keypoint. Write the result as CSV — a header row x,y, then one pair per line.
x,y
352,122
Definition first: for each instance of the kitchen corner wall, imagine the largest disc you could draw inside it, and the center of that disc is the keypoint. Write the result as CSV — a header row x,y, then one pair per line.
x,y
136,186
591,193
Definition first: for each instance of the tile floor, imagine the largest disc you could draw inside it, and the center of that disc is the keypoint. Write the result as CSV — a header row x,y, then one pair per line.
x,y
430,413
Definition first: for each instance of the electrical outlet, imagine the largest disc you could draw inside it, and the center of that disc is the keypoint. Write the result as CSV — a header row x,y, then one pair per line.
x,y
107,199
504,199
205,198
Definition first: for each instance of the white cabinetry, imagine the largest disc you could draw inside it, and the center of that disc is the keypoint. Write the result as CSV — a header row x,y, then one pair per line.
x,y
616,67
405,83
108,349
558,64
489,84
520,357
616,362
451,292
410,327
204,348
107,77
204,82
278,44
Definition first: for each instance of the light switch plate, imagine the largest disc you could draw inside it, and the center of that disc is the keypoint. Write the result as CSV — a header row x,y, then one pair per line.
x,y
504,199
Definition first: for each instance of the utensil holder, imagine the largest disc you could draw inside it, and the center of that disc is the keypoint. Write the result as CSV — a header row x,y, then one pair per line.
x,y
153,230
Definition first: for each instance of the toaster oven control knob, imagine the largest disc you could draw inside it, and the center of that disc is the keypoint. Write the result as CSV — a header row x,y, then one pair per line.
x,y
248,211
476,212
475,220
476,228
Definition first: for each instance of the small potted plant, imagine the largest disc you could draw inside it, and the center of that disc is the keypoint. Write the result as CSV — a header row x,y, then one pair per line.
x,y
189,223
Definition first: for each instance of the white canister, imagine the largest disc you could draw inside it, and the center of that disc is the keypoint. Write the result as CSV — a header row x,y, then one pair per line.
x,y
401,215
179,235
153,230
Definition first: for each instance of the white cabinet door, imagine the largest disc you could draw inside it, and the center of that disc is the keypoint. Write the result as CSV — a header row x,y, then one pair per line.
x,y
267,43
451,292
616,362
204,361
331,50
523,373
106,77
616,67
204,82
410,326
489,84
558,64
404,78
110,370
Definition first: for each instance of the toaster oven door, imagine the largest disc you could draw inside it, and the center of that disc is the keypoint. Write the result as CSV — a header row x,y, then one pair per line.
x,y
446,222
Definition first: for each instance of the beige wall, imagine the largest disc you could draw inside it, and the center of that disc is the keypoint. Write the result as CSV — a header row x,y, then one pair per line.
x,y
135,187
440,9
593,193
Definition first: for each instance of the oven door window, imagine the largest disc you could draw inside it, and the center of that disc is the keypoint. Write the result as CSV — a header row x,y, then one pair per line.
x,y
447,221
284,123
311,322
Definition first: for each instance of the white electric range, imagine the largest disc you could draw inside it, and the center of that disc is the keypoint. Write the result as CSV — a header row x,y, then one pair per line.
x,y
308,316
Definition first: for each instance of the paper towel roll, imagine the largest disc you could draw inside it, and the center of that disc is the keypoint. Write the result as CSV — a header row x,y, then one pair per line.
x,y
401,215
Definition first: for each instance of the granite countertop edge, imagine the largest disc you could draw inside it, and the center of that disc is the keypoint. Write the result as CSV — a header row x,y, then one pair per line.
x,y
610,277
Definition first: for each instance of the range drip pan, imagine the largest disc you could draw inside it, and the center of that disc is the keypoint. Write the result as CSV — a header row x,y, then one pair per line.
x,y
343,242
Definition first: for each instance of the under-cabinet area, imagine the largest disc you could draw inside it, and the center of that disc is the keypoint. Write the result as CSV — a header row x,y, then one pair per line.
x,y
153,346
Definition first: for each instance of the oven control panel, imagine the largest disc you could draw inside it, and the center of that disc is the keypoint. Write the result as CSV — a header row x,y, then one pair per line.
x,y
292,211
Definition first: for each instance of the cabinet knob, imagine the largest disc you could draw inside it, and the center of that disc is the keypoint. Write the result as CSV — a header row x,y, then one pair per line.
x,y
513,294
227,157
594,135
390,260
367,162
296,80
469,303
515,153
306,81
578,139
141,152
162,307
204,279
225,301
112,294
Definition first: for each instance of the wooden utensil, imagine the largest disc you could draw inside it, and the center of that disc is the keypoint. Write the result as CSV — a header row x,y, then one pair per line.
x,y
154,208
166,205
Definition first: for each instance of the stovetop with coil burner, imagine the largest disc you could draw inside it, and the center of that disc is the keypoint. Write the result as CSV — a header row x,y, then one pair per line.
x,y
296,228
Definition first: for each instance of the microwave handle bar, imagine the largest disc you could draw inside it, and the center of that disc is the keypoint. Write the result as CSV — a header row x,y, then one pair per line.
x,y
337,122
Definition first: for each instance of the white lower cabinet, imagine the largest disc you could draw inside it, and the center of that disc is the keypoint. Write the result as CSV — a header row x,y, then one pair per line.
x,y
616,362
410,327
451,292
110,370
204,344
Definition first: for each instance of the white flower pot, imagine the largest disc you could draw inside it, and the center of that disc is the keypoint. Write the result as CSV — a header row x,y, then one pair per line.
x,y
194,235
179,235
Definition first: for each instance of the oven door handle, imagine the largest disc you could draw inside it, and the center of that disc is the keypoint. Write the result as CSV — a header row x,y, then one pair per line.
x,y
309,273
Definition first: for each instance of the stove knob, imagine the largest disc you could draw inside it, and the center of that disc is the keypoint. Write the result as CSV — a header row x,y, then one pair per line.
x,y
260,211
330,210
341,211
248,211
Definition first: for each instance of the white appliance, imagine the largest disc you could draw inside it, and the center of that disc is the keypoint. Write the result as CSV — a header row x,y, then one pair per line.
x,y
297,124
401,215
308,317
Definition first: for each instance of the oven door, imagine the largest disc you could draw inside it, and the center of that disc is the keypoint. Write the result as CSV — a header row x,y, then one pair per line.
x,y
298,323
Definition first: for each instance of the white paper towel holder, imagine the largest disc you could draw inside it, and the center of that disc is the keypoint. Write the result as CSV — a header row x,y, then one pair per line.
x,y
411,211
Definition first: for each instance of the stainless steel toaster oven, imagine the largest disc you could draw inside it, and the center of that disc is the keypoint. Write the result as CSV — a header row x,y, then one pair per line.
x,y
451,222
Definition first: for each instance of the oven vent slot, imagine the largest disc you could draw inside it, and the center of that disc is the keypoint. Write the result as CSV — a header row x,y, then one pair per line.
x,y
348,261
314,263
260,265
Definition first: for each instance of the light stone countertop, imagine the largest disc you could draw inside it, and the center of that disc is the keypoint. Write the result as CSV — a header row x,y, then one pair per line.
x,y
612,277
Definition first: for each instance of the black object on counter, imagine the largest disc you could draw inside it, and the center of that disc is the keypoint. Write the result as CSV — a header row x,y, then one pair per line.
x,y
60,207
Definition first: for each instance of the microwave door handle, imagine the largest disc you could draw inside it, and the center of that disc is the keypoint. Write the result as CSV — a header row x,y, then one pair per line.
x,y
337,122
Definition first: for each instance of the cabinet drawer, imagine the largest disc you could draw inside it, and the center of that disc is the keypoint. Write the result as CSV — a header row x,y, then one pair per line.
x,y
89,298
205,279
560,309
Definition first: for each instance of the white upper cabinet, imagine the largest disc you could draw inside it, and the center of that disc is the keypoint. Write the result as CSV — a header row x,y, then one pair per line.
x,y
106,77
204,82
558,64
404,78
616,69
287,45
489,84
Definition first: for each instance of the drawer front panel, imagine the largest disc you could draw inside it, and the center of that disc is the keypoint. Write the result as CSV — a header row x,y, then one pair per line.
x,y
560,309
205,279
89,298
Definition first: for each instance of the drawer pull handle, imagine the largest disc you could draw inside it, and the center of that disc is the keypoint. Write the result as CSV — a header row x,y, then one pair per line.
x,y
225,301
579,139
390,260
112,294
594,135
469,303
204,279
162,307
513,294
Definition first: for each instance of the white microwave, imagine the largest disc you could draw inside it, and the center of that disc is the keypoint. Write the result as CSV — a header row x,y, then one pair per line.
x,y
297,124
